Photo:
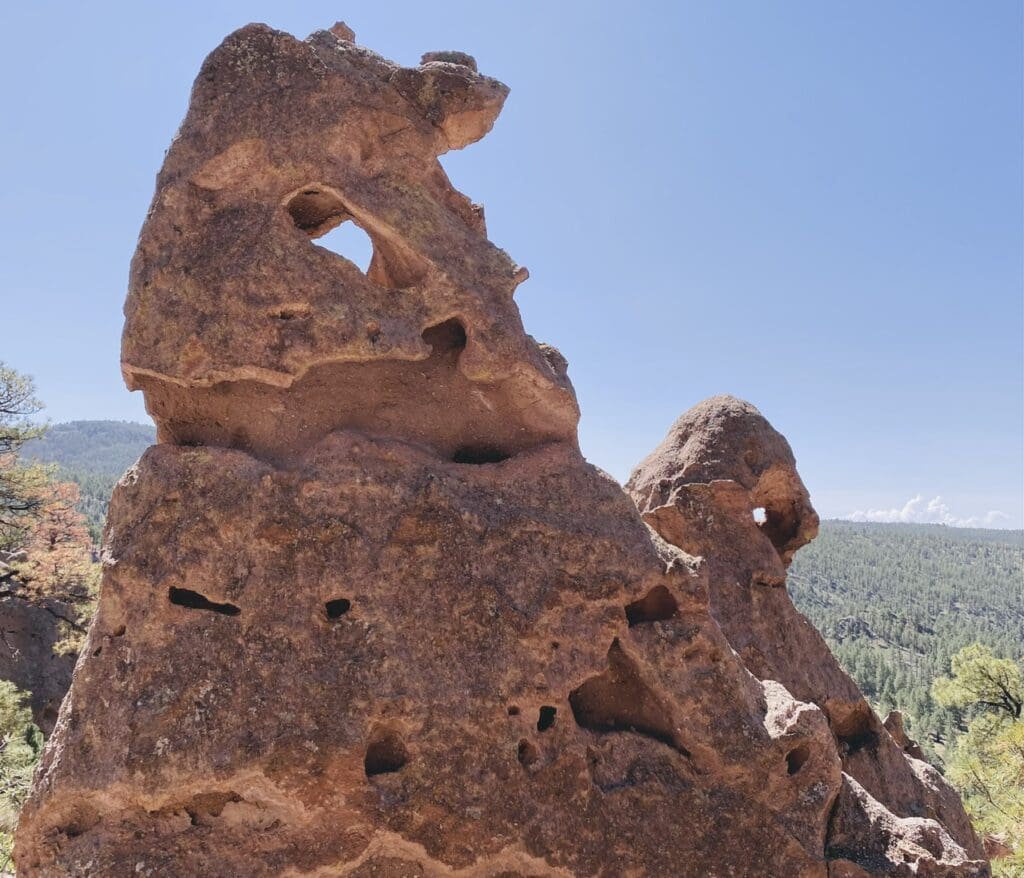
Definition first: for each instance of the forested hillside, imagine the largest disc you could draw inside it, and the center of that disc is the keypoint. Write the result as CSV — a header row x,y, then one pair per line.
x,y
93,454
896,601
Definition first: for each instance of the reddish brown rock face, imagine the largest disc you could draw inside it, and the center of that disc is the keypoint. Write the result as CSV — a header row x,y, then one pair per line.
x,y
386,620
723,485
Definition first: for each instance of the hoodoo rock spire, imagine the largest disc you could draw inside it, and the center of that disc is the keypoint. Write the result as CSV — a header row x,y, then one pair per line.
x,y
367,611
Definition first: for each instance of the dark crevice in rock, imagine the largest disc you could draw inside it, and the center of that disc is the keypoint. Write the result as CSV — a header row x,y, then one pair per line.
x,y
656,606
479,454
193,600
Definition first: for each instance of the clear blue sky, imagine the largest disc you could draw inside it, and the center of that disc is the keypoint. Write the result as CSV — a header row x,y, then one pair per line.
x,y
814,206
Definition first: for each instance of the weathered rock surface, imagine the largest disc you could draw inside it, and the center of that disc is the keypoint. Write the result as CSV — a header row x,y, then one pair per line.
x,y
241,331
720,469
386,620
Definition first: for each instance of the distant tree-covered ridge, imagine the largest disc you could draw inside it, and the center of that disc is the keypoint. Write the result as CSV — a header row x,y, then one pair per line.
x,y
897,601
93,455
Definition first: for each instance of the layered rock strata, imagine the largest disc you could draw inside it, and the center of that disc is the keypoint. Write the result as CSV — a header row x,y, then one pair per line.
x,y
366,610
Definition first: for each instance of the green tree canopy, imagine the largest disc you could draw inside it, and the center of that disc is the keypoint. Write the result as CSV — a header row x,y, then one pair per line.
x,y
21,486
981,680
987,763
20,745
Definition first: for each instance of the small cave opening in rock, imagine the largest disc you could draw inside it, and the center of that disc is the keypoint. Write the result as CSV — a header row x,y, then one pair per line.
x,y
797,758
479,454
619,700
447,336
856,731
546,717
527,753
193,600
513,710
337,608
386,752
656,606
867,739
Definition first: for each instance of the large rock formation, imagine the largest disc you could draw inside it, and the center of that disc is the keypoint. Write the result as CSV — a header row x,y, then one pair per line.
x,y
367,611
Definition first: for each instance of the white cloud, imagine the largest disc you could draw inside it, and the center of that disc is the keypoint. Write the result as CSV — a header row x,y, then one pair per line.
x,y
935,511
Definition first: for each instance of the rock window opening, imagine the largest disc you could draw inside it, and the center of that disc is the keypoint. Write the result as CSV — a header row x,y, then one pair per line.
x,y
324,217
351,242
760,516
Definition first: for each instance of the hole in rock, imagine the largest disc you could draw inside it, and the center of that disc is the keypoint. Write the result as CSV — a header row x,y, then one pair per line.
x,y
447,336
337,608
546,719
351,242
386,752
656,606
759,515
513,710
193,600
527,753
619,700
797,758
322,215
859,741
479,454
856,730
